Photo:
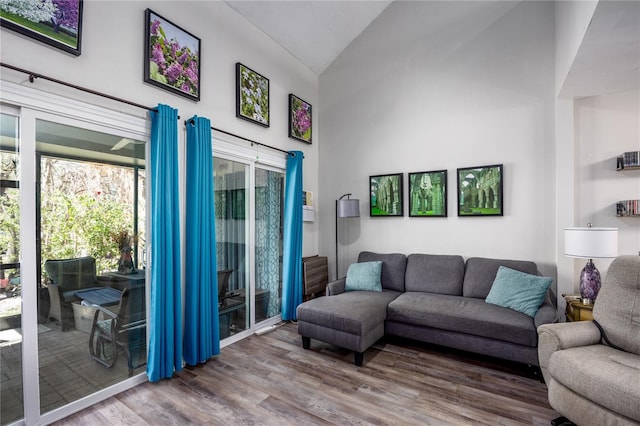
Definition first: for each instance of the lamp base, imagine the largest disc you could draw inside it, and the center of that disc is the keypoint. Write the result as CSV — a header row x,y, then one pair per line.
x,y
590,281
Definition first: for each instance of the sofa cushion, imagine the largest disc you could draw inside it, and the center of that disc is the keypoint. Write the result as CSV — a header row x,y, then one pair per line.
x,y
617,308
354,312
393,268
601,374
464,315
479,274
518,291
364,276
431,273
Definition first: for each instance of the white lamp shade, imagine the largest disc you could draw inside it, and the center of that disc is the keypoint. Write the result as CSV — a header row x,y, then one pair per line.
x,y
591,243
348,208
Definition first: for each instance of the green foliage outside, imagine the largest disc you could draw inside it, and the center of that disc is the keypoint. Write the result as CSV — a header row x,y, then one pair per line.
x,y
74,225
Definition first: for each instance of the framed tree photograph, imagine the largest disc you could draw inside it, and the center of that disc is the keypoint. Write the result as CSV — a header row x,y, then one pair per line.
x,y
385,195
480,191
428,194
171,57
57,23
252,95
299,119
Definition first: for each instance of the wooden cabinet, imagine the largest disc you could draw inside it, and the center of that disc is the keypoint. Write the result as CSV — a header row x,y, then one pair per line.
x,y
576,310
315,276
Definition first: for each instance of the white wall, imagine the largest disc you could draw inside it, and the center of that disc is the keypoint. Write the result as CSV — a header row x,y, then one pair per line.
x,y
462,84
112,62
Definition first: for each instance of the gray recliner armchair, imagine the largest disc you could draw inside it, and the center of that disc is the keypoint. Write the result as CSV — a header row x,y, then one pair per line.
x,y
594,377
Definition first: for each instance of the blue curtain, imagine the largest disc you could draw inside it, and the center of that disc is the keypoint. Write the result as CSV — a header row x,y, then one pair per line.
x,y
292,250
165,314
202,333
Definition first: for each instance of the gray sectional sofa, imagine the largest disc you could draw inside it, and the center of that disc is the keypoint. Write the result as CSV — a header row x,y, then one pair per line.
x,y
437,299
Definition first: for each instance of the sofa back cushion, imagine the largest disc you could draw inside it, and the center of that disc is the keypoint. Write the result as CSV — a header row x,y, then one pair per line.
x,y
393,268
432,273
72,274
617,308
480,273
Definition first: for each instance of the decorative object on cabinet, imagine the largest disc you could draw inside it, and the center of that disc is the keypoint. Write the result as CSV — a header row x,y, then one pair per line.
x,y
299,119
58,24
590,243
345,208
252,95
385,194
171,57
428,194
480,191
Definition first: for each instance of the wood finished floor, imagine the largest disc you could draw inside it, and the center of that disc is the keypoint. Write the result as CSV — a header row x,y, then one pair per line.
x,y
271,380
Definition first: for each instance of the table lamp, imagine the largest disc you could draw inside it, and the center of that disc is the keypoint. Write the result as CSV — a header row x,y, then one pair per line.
x,y
590,243
345,208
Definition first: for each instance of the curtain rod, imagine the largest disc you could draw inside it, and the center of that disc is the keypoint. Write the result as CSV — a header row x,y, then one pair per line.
x,y
34,75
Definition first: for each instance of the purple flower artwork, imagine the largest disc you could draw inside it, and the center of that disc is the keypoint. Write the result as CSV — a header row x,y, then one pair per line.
x,y
57,23
299,119
172,57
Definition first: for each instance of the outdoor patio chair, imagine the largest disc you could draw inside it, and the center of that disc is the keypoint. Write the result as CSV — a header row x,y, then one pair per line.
x,y
124,331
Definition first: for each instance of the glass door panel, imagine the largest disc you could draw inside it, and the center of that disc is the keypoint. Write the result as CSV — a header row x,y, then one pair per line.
x,y
232,244
269,197
91,228
11,393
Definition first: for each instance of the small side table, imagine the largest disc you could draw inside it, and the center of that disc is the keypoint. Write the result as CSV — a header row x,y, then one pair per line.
x,y
577,311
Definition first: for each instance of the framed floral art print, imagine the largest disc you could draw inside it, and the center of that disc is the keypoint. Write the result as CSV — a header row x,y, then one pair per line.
x,y
299,119
171,57
57,23
252,95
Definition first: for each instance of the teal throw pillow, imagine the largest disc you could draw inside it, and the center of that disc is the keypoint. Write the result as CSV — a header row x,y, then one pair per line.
x,y
364,276
519,291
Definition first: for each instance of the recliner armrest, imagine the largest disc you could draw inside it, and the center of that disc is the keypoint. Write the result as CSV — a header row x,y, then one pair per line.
x,y
335,287
564,335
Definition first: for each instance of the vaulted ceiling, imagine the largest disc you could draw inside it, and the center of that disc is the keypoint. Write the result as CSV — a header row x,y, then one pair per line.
x,y
316,32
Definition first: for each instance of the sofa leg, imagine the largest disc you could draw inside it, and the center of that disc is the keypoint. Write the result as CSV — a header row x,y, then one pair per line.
x,y
562,421
306,342
358,357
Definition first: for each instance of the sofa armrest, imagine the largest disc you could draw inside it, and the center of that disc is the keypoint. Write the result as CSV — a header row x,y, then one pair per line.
x,y
547,314
335,287
564,335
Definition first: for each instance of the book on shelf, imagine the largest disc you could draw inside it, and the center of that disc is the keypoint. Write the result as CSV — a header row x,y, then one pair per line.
x,y
628,159
628,208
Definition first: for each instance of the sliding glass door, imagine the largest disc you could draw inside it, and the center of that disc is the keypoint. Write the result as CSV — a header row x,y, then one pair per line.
x,y
249,204
72,244
11,389
89,238
269,206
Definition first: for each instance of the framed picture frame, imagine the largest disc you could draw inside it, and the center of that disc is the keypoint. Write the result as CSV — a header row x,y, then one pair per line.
x,y
171,57
386,195
252,96
58,24
428,194
300,119
480,191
